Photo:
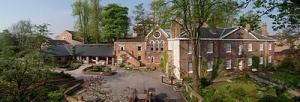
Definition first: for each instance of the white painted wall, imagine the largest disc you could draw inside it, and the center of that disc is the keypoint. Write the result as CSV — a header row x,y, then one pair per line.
x,y
174,46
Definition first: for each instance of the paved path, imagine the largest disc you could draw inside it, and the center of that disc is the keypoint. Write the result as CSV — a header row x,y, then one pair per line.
x,y
77,73
141,81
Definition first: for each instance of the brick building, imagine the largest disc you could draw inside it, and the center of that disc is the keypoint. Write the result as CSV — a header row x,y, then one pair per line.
x,y
68,36
143,50
235,45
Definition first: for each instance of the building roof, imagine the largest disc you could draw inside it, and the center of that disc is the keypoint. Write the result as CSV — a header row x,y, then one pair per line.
x,y
71,32
102,50
136,39
58,42
59,50
219,33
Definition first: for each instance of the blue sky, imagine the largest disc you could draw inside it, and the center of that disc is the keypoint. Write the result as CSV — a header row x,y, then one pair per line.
x,y
57,13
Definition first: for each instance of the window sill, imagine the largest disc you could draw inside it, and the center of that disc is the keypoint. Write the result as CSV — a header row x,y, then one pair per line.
x,y
189,53
190,72
209,52
209,70
228,51
228,68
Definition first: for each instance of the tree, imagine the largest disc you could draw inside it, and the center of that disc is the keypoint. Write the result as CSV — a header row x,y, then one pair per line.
x,y
81,11
288,12
139,13
162,13
95,20
24,72
194,13
115,22
252,19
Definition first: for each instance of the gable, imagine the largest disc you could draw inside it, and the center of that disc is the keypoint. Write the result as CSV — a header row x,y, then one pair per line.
x,y
240,34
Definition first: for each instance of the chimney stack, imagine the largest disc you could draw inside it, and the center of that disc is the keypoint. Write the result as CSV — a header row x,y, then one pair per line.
x,y
248,26
264,29
176,28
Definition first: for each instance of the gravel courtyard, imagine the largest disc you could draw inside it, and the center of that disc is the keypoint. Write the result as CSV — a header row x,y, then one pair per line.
x,y
141,80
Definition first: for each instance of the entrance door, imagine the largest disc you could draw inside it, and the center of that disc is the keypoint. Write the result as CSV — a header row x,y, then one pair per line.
x,y
241,64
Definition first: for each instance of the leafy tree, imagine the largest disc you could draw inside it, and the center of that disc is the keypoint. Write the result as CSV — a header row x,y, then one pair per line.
x,y
82,12
288,11
143,28
194,14
162,13
24,72
252,19
115,22
95,20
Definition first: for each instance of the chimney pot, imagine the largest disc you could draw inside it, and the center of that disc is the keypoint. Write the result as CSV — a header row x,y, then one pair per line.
x,y
264,29
248,26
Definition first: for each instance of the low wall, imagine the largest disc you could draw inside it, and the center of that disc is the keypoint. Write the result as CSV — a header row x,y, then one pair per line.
x,y
72,90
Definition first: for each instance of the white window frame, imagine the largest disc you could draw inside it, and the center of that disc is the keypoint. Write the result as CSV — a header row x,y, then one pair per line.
x,y
261,60
228,64
210,65
190,67
228,50
249,61
270,46
270,59
240,49
190,48
250,47
261,47
210,47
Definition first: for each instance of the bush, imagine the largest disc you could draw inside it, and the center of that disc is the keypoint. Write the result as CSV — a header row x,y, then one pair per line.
x,y
287,64
205,82
255,62
122,65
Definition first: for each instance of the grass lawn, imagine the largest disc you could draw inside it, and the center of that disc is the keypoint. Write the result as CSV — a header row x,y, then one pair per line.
x,y
285,78
239,90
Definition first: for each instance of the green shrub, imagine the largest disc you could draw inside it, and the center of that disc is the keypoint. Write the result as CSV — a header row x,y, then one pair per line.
x,y
205,82
287,64
122,65
107,69
255,62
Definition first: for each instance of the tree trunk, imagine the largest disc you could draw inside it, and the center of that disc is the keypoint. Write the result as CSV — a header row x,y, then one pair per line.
x,y
195,61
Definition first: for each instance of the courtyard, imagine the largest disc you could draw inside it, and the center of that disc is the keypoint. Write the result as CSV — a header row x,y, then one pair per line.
x,y
139,80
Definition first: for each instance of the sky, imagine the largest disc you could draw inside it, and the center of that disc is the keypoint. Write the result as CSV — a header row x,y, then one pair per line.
x,y
57,13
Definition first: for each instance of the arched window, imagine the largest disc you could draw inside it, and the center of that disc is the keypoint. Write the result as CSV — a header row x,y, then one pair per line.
x,y
162,45
152,44
157,45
